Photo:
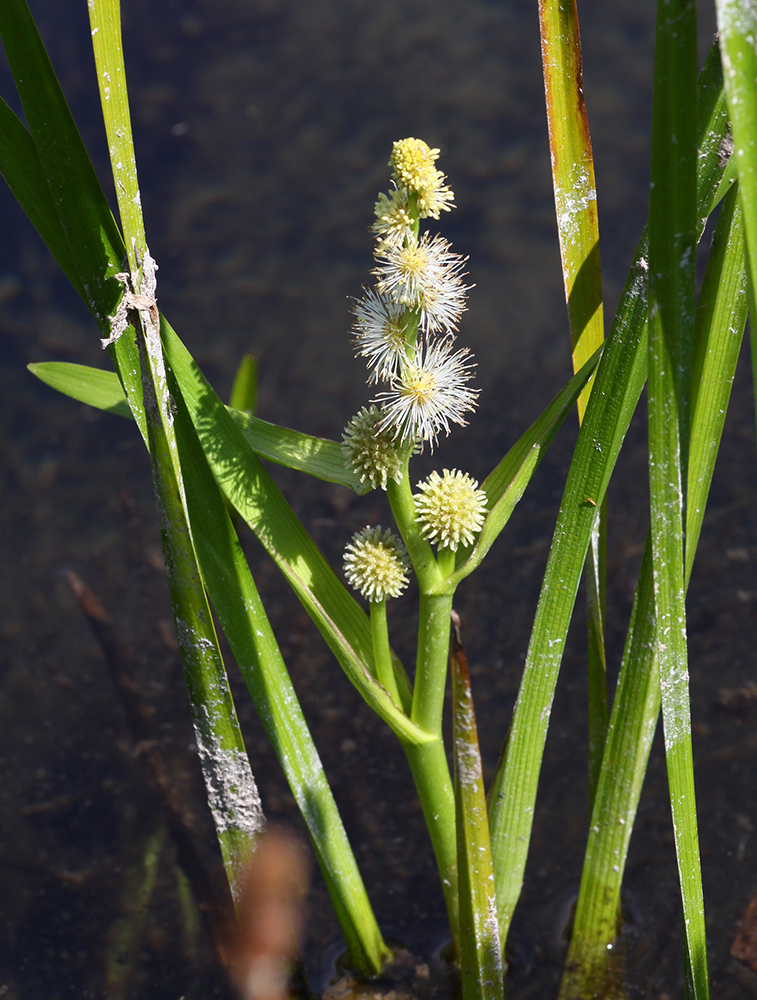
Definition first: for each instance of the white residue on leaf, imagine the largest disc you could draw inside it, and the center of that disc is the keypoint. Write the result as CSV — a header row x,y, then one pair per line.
x,y
233,796
572,201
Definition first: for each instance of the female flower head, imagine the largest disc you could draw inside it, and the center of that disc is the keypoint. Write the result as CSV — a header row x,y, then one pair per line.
x,y
451,508
426,277
376,564
369,450
429,394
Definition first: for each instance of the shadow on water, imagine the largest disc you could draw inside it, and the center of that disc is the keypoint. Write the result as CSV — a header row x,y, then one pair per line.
x,y
263,131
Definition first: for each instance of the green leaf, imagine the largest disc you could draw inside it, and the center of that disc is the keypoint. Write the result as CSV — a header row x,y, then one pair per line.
x,y
480,952
316,456
92,386
672,275
230,787
617,387
244,391
737,28
240,611
505,485
578,229
67,178
20,166
572,178
618,383
720,320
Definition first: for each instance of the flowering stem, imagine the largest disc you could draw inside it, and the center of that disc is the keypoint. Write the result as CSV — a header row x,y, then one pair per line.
x,y
430,770
381,653
421,556
410,323
429,763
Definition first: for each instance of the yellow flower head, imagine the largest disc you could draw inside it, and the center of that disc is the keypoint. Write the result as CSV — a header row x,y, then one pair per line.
x,y
412,162
451,508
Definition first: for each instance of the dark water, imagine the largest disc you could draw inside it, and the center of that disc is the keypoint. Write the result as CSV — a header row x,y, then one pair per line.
x,y
262,133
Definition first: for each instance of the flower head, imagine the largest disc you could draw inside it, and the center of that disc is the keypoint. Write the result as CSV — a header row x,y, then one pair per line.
x,y
451,508
425,276
394,222
369,450
376,564
379,334
429,394
412,162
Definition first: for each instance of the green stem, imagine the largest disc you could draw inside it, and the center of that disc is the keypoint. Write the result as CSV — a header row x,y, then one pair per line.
x,y
430,770
421,555
431,663
381,653
429,763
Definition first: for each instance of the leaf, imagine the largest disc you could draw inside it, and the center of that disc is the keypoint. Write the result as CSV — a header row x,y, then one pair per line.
x,y
480,952
303,452
618,383
92,386
505,485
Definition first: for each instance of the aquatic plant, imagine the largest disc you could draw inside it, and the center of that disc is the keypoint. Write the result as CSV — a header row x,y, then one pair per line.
x,y
205,459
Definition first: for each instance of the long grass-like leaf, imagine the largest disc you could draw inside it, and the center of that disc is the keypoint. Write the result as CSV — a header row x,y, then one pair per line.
x,y
19,164
737,27
249,487
237,603
578,229
618,384
232,794
505,485
66,176
617,387
572,178
720,319
672,270
63,174
303,452
480,952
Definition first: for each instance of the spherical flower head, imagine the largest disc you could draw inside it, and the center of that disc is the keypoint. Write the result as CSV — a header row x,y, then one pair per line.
x,y
429,394
450,508
412,162
394,222
424,276
379,334
369,450
376,564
